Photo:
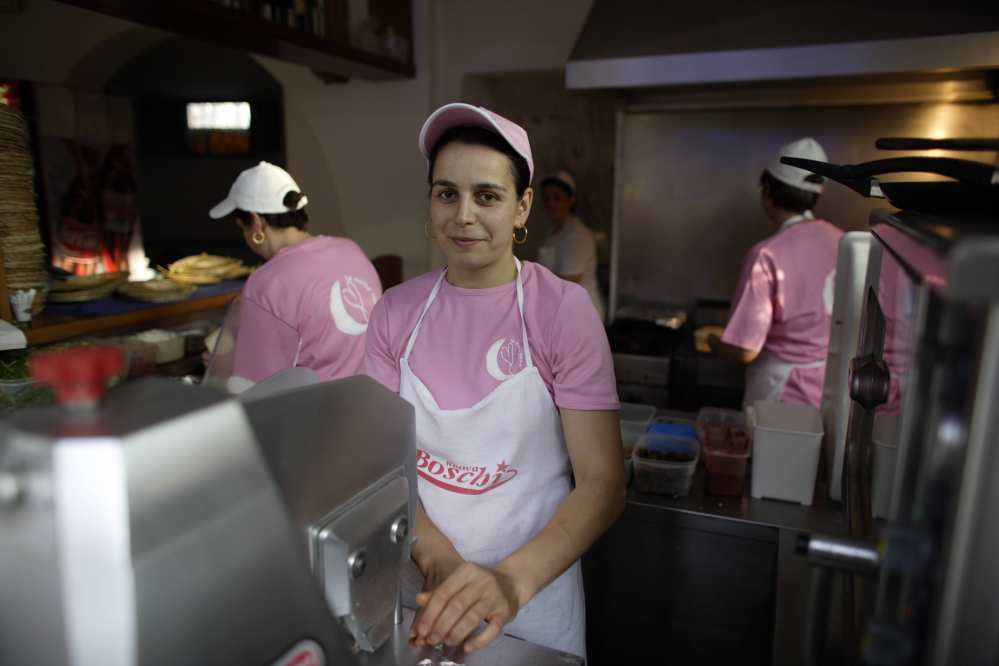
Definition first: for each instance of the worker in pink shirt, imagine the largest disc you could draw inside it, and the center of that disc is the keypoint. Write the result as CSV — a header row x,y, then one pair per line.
x,y
510,373
781,312
321,286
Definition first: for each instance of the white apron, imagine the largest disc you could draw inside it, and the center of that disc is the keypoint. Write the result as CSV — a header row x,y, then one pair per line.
x,y
767,374
491,476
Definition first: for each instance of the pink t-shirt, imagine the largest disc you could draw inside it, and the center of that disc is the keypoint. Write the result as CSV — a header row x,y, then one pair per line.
x,y
471,340
785,295
325,288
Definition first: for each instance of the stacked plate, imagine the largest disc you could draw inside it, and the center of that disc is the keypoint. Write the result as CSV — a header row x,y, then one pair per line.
x,y
86,287
156,291
205,268
21,242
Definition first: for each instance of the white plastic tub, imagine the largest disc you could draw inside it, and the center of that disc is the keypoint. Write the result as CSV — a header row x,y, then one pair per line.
x,y
786,448
883,465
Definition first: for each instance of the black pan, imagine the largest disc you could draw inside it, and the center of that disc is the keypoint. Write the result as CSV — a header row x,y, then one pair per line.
x,y
892,143
975,189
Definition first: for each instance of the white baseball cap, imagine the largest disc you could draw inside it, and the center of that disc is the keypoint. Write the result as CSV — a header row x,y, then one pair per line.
x,y
561,177
807,148
457,114
259,190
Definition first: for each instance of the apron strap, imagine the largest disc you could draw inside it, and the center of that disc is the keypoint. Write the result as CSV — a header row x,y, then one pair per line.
x,y
523,322
416,331
520,305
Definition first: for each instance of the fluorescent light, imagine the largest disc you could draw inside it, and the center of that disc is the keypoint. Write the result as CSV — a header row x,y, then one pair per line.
x,y
218,116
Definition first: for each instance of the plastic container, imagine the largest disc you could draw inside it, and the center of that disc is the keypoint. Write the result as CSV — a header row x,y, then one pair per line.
x,y
883,464
635,420
194,335
726,471
636,416
716,416
169,345
662,476
787,448
141,357
18,394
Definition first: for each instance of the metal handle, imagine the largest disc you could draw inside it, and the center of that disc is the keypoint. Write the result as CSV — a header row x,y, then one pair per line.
x,y
870,382
829,553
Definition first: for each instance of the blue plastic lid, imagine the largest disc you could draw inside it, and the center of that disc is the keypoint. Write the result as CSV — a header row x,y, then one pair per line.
x,y
672,429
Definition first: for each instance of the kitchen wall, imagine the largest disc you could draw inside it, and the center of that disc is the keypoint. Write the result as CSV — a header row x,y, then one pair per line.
x,y
351,146
568,130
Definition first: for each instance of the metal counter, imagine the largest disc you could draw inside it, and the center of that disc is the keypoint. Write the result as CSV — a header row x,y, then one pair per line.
x,y
504,651
703,578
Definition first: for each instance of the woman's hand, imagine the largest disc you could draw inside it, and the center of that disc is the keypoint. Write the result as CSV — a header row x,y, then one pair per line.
x,y
435,573
456,607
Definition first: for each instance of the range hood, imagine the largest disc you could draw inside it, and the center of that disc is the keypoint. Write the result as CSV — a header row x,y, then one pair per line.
x,y
643,43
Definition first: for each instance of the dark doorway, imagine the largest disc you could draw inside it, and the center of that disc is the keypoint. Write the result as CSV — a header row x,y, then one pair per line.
x,y
177,186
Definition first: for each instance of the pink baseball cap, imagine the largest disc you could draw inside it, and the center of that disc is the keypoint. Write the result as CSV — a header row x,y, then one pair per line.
x,y
455,115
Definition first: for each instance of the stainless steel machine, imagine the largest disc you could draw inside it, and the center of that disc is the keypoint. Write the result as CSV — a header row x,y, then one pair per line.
x,y
922,587
173,525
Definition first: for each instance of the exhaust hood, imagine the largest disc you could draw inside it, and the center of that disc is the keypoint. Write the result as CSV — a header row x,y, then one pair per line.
x,y
643,43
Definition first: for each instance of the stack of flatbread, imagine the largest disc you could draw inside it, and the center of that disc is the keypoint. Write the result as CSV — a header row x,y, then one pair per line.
x,y
83,288
205,268
156,291
20,239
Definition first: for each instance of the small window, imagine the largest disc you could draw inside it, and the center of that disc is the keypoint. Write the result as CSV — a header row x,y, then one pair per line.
x,y
219,128
218,116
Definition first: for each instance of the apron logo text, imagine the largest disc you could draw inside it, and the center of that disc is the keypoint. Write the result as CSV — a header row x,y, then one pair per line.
x,y
462,479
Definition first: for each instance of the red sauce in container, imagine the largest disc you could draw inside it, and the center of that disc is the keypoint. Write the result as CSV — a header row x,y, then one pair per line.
x,y
720,483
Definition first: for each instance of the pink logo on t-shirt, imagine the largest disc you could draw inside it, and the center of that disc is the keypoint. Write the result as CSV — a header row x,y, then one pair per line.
x,y
504,359
463,479
350,304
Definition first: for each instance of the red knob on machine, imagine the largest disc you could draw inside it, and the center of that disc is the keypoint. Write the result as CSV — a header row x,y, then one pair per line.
x,y
79,375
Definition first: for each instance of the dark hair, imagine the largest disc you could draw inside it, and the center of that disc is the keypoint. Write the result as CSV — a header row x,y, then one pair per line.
x,y
295,217
471,135
562,186
789,197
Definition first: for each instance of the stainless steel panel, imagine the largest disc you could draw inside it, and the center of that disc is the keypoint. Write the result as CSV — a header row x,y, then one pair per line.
x,y
344,436
31,621
362,552
687,206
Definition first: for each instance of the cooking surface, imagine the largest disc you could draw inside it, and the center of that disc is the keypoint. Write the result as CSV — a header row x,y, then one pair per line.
x,y
642,338
504,651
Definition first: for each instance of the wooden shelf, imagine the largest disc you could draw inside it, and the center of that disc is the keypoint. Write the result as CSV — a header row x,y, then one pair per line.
x,y
212,22
53,328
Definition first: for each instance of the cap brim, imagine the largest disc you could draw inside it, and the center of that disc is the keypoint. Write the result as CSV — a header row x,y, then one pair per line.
x,y
456,115
222,209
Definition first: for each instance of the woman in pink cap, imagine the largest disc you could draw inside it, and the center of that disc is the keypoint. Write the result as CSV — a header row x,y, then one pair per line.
x,y
510,373
323,287
782,309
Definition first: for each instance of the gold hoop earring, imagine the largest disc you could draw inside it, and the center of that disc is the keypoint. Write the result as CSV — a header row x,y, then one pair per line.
x,y
262,238
425,229
515,235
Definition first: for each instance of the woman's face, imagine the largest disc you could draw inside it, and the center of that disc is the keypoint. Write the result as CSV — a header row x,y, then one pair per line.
x,y
557,203
474,205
